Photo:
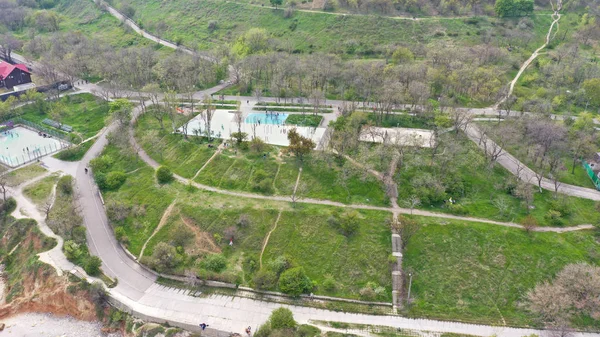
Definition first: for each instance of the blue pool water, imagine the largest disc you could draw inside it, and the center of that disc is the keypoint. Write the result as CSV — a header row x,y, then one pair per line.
x,y
266,118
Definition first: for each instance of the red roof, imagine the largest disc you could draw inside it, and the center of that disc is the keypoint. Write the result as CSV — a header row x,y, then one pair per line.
x,y
7,68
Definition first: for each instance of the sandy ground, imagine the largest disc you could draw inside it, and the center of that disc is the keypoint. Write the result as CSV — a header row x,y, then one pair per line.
x,y
40,325
400,136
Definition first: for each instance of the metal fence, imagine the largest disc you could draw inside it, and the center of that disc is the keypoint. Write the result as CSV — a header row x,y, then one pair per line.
x,y
591,174
35,154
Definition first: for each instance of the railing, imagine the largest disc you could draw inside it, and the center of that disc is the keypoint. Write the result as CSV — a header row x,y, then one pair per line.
x,y
591,174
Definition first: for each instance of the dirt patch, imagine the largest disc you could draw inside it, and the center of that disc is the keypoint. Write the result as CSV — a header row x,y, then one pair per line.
x,y
48,293
203,242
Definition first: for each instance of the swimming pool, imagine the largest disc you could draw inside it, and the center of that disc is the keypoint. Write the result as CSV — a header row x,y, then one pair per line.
x,y
20,145
262,118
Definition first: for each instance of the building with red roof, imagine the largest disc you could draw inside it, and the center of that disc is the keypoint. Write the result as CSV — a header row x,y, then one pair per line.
x,y
13,74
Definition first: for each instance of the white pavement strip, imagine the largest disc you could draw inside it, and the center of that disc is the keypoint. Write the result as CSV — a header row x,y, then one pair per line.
x,y
234,314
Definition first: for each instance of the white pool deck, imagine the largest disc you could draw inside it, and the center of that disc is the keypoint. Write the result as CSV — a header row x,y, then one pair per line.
x,y
400,136
20,145
223,125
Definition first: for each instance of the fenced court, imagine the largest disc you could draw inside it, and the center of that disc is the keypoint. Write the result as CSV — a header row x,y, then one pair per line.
x,y
21,145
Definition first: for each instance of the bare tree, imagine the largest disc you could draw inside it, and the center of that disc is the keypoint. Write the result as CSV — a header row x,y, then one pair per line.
x,y
8,43
460,118
207,115
298,192
412,202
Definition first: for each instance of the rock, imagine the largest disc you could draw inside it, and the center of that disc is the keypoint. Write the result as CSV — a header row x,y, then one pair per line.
x,y
2,326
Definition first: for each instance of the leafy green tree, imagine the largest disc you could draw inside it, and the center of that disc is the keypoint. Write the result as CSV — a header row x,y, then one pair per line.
x,y
592,90
300,146
120,109
164,257
402,55
115,179
282,318
276,3
511,8
294,282
92,265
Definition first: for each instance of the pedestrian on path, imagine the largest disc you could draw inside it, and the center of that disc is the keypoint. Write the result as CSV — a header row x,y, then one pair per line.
x,y
203,326
248,330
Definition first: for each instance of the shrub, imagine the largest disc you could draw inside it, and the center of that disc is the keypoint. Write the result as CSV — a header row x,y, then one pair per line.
x,y
164,175
8,206
101,164
72,250
280,264
282,318
212,25
457,209
121,235
214,262
65,185
244,220
307,331
265,279
164,257
349,223
554,218
115,179
329,284
92,265
294,282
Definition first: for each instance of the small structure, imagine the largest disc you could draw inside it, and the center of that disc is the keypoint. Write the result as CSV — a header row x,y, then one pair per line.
x,y
13,74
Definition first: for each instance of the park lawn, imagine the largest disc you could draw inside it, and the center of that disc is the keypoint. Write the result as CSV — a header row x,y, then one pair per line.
x,y
183,157
41,190
285,177
302,232
484,188
237,172
74,153
23,174
142,191
304,120
86,113
481,273
323,182
213,172
305,236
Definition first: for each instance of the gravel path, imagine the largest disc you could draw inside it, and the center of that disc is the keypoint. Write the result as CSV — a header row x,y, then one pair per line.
x,y
40,325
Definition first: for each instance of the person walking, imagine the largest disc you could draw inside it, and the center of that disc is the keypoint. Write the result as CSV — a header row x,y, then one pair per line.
x,y
248,331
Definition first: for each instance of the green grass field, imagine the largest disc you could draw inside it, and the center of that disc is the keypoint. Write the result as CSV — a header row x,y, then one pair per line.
x,y
86,113
41,190
307,32
306,237
23,174
481,273
302,231
304,120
